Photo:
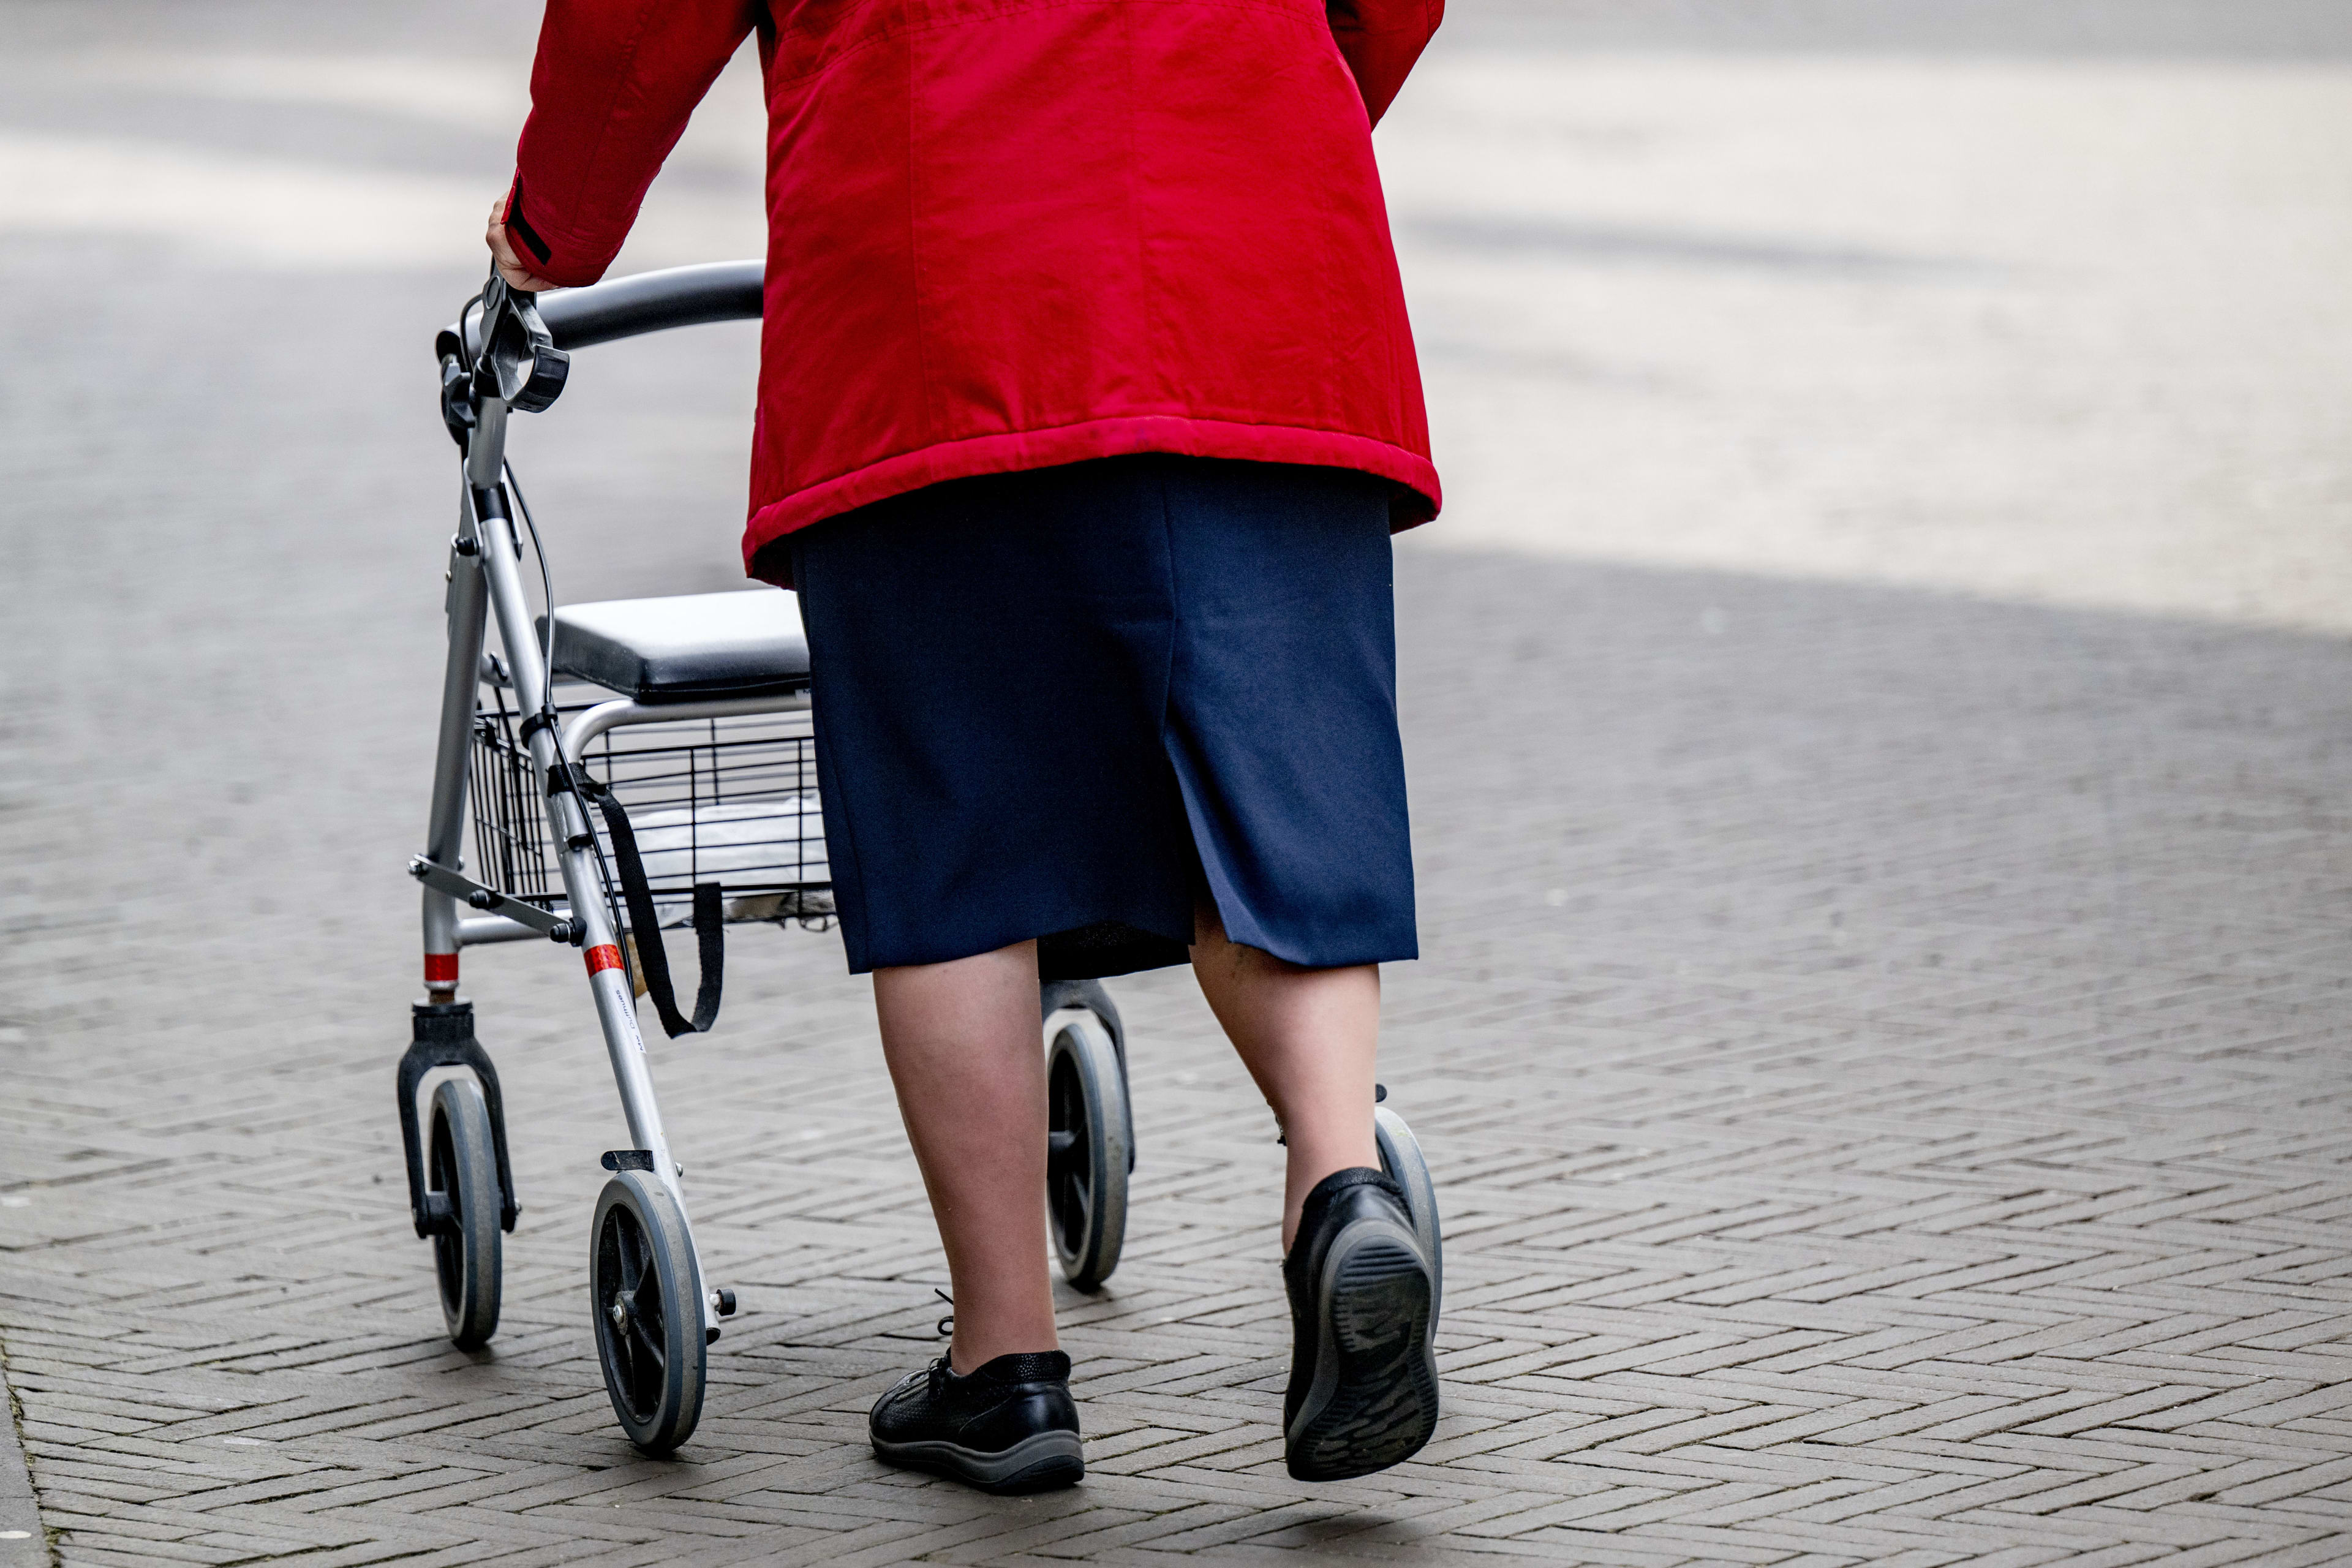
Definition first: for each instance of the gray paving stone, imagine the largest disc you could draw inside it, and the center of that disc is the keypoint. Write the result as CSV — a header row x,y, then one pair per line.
x,y
23,1544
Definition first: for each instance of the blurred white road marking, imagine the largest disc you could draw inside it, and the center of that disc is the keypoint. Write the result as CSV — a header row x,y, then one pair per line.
x,y
488,96
2074,332
242,209
266,213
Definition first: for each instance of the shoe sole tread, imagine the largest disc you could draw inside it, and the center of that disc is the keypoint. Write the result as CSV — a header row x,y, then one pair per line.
x,y
1374,1398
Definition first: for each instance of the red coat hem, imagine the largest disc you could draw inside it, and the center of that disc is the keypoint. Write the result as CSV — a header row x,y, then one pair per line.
x,y
1015,450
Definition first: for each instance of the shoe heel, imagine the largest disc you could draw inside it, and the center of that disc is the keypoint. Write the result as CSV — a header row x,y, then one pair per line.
x,y
1047,1461
1380,1298
1374,1403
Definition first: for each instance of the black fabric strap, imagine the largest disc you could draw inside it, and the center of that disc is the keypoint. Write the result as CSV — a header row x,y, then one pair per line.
x,y
653,959
521,225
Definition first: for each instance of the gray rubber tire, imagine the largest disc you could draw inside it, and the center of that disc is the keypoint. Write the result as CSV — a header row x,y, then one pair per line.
x,y
1089,1145
1401,1158
645,1296
1055,994
462,1162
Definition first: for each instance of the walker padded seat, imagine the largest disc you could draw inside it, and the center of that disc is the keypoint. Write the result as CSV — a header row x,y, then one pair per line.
x,y
743,643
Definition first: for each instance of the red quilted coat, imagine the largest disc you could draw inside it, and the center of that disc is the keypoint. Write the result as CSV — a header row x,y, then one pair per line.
x,y
1009,234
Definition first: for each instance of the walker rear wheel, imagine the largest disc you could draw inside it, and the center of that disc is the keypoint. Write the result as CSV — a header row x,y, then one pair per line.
x,y
645,1295
1089,1139
461,1166
1402,1162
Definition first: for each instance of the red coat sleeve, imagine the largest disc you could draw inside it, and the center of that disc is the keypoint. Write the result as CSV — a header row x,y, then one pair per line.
x,y
610,94
1380,39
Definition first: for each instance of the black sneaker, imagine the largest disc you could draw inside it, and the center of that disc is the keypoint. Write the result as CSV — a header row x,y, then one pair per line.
x,y
1363,1372
1009,1426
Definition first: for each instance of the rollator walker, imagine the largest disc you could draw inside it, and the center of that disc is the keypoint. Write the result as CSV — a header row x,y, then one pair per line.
x,y
632,766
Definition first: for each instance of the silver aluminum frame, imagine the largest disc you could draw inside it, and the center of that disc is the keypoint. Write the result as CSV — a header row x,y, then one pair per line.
x,y
473,930
581,729
486,585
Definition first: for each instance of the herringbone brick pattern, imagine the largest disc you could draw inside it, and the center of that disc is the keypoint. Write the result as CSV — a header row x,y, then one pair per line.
x,y
1882,1055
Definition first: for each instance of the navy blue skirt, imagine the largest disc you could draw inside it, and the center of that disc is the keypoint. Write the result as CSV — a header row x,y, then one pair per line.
x,y
1068,702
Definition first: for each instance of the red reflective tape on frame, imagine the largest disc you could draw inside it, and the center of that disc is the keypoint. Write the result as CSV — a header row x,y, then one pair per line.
x,y
603,956
440,969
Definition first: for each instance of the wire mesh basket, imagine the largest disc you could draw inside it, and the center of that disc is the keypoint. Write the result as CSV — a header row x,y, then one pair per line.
x,y
731,801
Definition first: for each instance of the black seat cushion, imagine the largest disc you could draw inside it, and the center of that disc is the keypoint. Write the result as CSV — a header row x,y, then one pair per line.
x,y
692,644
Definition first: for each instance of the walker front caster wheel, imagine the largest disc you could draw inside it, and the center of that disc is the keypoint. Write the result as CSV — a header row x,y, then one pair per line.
x,y
461,1170
1089,1139
646,1294
1401,1161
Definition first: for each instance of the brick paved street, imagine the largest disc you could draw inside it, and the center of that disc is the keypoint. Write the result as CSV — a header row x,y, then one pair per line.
x,y
1882,1032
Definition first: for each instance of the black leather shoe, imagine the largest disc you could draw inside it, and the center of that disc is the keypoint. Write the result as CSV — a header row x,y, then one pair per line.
x,y
1008,1426
1363,1372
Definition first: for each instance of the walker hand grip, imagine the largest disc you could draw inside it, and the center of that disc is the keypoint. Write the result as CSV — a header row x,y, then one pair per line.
x,y
520,363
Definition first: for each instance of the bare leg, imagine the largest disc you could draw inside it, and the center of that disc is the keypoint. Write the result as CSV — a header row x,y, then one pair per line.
x,y
1308,1036
969,1064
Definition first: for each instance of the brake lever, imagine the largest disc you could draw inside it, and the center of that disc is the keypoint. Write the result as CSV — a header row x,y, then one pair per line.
x,y
520,363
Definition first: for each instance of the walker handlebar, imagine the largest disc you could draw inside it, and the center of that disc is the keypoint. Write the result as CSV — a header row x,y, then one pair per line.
x,y
531,335
654,302
627,307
